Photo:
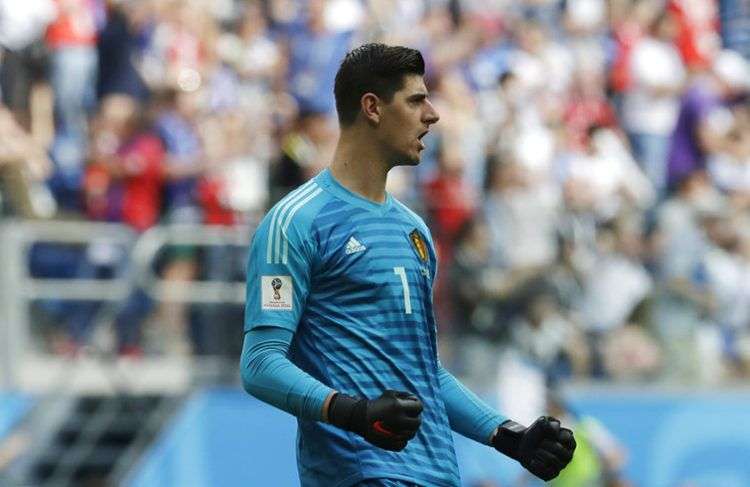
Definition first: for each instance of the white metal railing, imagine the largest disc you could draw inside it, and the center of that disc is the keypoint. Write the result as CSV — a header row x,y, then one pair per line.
x,y
18,288
156,238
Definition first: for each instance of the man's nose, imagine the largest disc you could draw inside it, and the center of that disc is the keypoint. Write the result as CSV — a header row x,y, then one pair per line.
x,y
431,115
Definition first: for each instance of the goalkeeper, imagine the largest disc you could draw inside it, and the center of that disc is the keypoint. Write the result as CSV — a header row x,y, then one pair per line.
x,y
339,322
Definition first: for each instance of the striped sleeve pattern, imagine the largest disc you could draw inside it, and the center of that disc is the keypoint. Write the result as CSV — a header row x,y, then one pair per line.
x,y
280,259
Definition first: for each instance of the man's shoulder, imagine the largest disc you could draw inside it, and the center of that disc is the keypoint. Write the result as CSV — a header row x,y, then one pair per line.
x,y
297,210
411,215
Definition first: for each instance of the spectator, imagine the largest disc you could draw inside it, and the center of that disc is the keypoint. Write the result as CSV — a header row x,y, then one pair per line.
x,y
650,107
605,178
304,150
185,164
258,57
587,106
232,191
24,58
725,271
177,46
682,303
735,31
449,202
477,290
135,168
618,265
702,120
24,165
261,65
627,31
118,49
462,139
600,458
698,37
72,39
235,188
314,52
545,337
729,167
544,68
125,184
523,216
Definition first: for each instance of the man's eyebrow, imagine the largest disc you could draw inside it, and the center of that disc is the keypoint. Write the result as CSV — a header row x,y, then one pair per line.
x,y
417,96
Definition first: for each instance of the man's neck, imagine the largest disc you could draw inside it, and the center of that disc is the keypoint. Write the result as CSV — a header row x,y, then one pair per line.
x,y
359,169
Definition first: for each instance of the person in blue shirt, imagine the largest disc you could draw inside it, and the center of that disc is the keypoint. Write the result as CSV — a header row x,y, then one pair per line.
x,y
339,323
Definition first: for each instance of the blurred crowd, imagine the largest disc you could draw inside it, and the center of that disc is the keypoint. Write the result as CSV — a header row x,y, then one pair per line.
x,y
588,184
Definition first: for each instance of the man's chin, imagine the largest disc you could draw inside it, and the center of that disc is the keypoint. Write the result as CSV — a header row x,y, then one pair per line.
x,y
409,160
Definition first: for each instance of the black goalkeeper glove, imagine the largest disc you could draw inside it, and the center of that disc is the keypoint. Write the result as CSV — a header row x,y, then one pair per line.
x,y
388,422
544,448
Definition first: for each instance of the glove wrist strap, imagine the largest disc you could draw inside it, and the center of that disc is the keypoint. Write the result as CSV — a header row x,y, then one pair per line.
x,y
508,438
348,412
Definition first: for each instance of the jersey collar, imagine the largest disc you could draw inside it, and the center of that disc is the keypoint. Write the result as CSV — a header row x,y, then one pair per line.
x,y
326,180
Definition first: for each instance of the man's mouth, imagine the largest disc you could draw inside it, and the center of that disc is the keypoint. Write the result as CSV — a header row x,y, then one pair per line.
x,y
419,139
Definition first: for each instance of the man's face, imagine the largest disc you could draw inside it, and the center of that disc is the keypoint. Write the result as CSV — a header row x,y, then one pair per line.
x,y
406,120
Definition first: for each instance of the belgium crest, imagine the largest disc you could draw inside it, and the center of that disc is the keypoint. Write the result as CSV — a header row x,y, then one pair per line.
x,y
419,245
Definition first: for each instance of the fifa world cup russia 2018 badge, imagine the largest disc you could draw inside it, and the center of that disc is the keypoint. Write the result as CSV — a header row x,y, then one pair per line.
x,y
276,284
277,293
419,245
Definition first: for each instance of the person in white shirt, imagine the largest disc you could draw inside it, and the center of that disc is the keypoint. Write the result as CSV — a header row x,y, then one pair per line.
x,y
22,56
605,178
651,107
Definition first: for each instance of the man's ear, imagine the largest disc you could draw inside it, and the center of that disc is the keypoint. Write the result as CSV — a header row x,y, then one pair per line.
x,y
370,104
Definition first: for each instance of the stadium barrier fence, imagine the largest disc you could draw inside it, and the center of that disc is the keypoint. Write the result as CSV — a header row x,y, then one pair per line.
x,y
19,288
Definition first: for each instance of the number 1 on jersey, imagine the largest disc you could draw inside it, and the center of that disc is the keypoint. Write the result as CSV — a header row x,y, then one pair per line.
x,y
401,272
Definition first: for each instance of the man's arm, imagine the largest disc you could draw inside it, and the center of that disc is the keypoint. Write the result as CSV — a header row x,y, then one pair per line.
x,y
388,421
469,416
270,376
544,448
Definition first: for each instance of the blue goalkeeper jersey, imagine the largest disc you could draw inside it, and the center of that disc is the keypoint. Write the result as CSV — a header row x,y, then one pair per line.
x,y
353,280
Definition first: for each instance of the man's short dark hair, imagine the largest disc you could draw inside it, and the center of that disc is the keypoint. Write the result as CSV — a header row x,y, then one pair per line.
x,y
372,68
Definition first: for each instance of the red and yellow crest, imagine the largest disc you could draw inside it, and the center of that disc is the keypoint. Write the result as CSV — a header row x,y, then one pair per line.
x,y
419,245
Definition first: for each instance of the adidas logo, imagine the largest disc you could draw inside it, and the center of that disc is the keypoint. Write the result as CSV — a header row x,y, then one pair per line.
x,y
353,246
